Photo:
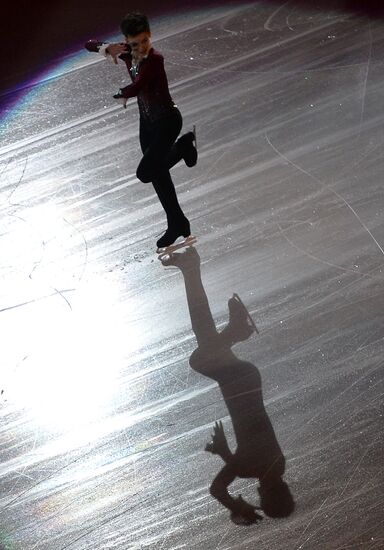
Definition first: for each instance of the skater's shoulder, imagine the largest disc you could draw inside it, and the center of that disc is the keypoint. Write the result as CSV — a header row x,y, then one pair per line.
x,y
155,55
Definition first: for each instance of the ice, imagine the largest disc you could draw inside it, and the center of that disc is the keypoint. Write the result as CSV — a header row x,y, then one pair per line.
x,y
106,407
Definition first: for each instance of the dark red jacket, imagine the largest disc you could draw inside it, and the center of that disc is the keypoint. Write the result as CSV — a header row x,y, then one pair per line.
x,y
149,83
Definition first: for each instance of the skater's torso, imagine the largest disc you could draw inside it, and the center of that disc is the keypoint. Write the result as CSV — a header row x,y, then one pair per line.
x,y
150,85
258,453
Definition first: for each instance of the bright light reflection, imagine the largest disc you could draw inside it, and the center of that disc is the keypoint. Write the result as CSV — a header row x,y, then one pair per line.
x,y
72,371
61,365
38,236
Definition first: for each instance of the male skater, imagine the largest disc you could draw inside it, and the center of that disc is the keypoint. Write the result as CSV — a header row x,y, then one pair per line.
x,y
160,119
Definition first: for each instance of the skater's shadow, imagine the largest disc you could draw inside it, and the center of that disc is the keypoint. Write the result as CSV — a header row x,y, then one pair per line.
x,y
258,454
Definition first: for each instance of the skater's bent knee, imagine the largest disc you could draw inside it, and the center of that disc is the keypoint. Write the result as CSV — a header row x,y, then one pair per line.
x,y
143,176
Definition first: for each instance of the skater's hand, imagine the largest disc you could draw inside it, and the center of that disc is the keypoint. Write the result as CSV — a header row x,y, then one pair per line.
x,y
120,96
114,50
244,513
218,445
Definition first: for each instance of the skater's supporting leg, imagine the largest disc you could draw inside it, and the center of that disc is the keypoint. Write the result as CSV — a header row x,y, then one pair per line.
x,y
166,193
177,222
157,143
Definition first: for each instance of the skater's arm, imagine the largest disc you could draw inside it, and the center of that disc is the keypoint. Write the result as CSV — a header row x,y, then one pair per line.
x,y
114,50
241,511
219,487
219,444
150,70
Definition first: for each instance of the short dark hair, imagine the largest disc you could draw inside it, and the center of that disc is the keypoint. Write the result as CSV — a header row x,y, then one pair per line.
x,y
134,24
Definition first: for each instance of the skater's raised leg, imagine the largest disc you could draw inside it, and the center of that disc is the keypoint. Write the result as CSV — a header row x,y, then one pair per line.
x,y
184,148
161,151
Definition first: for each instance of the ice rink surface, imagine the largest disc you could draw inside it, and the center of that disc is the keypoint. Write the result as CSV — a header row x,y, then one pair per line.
x,y
106,407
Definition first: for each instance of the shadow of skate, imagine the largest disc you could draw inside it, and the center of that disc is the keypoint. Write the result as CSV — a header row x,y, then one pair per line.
x,y
258,454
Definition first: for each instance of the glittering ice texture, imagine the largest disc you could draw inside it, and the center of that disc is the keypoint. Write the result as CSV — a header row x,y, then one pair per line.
x,y
106,406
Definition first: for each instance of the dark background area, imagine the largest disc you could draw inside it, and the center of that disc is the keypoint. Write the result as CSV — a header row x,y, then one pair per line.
x,y
36,34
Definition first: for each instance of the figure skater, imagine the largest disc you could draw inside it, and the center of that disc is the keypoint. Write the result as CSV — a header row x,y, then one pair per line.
x,y
160,119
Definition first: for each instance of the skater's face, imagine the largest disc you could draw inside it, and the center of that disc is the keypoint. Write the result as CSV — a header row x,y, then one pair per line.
x,y
140,44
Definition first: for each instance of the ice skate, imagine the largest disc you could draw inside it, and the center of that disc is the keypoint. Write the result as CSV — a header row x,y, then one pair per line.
x,y
194,135
176,228
188,143
165,252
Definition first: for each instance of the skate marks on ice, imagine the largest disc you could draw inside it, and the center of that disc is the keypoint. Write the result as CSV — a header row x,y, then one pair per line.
x,y
258,454
331,409
307,74
330,189
267,24
36,239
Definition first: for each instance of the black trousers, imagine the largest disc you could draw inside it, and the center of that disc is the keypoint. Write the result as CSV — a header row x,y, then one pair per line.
x,y
160,153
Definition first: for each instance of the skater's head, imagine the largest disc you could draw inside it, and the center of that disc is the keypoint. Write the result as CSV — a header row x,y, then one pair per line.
x,y
135,28
134,24
276,501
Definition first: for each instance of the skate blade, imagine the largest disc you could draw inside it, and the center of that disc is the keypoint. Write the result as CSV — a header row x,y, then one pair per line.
x,y
195,136
168,250
251,321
